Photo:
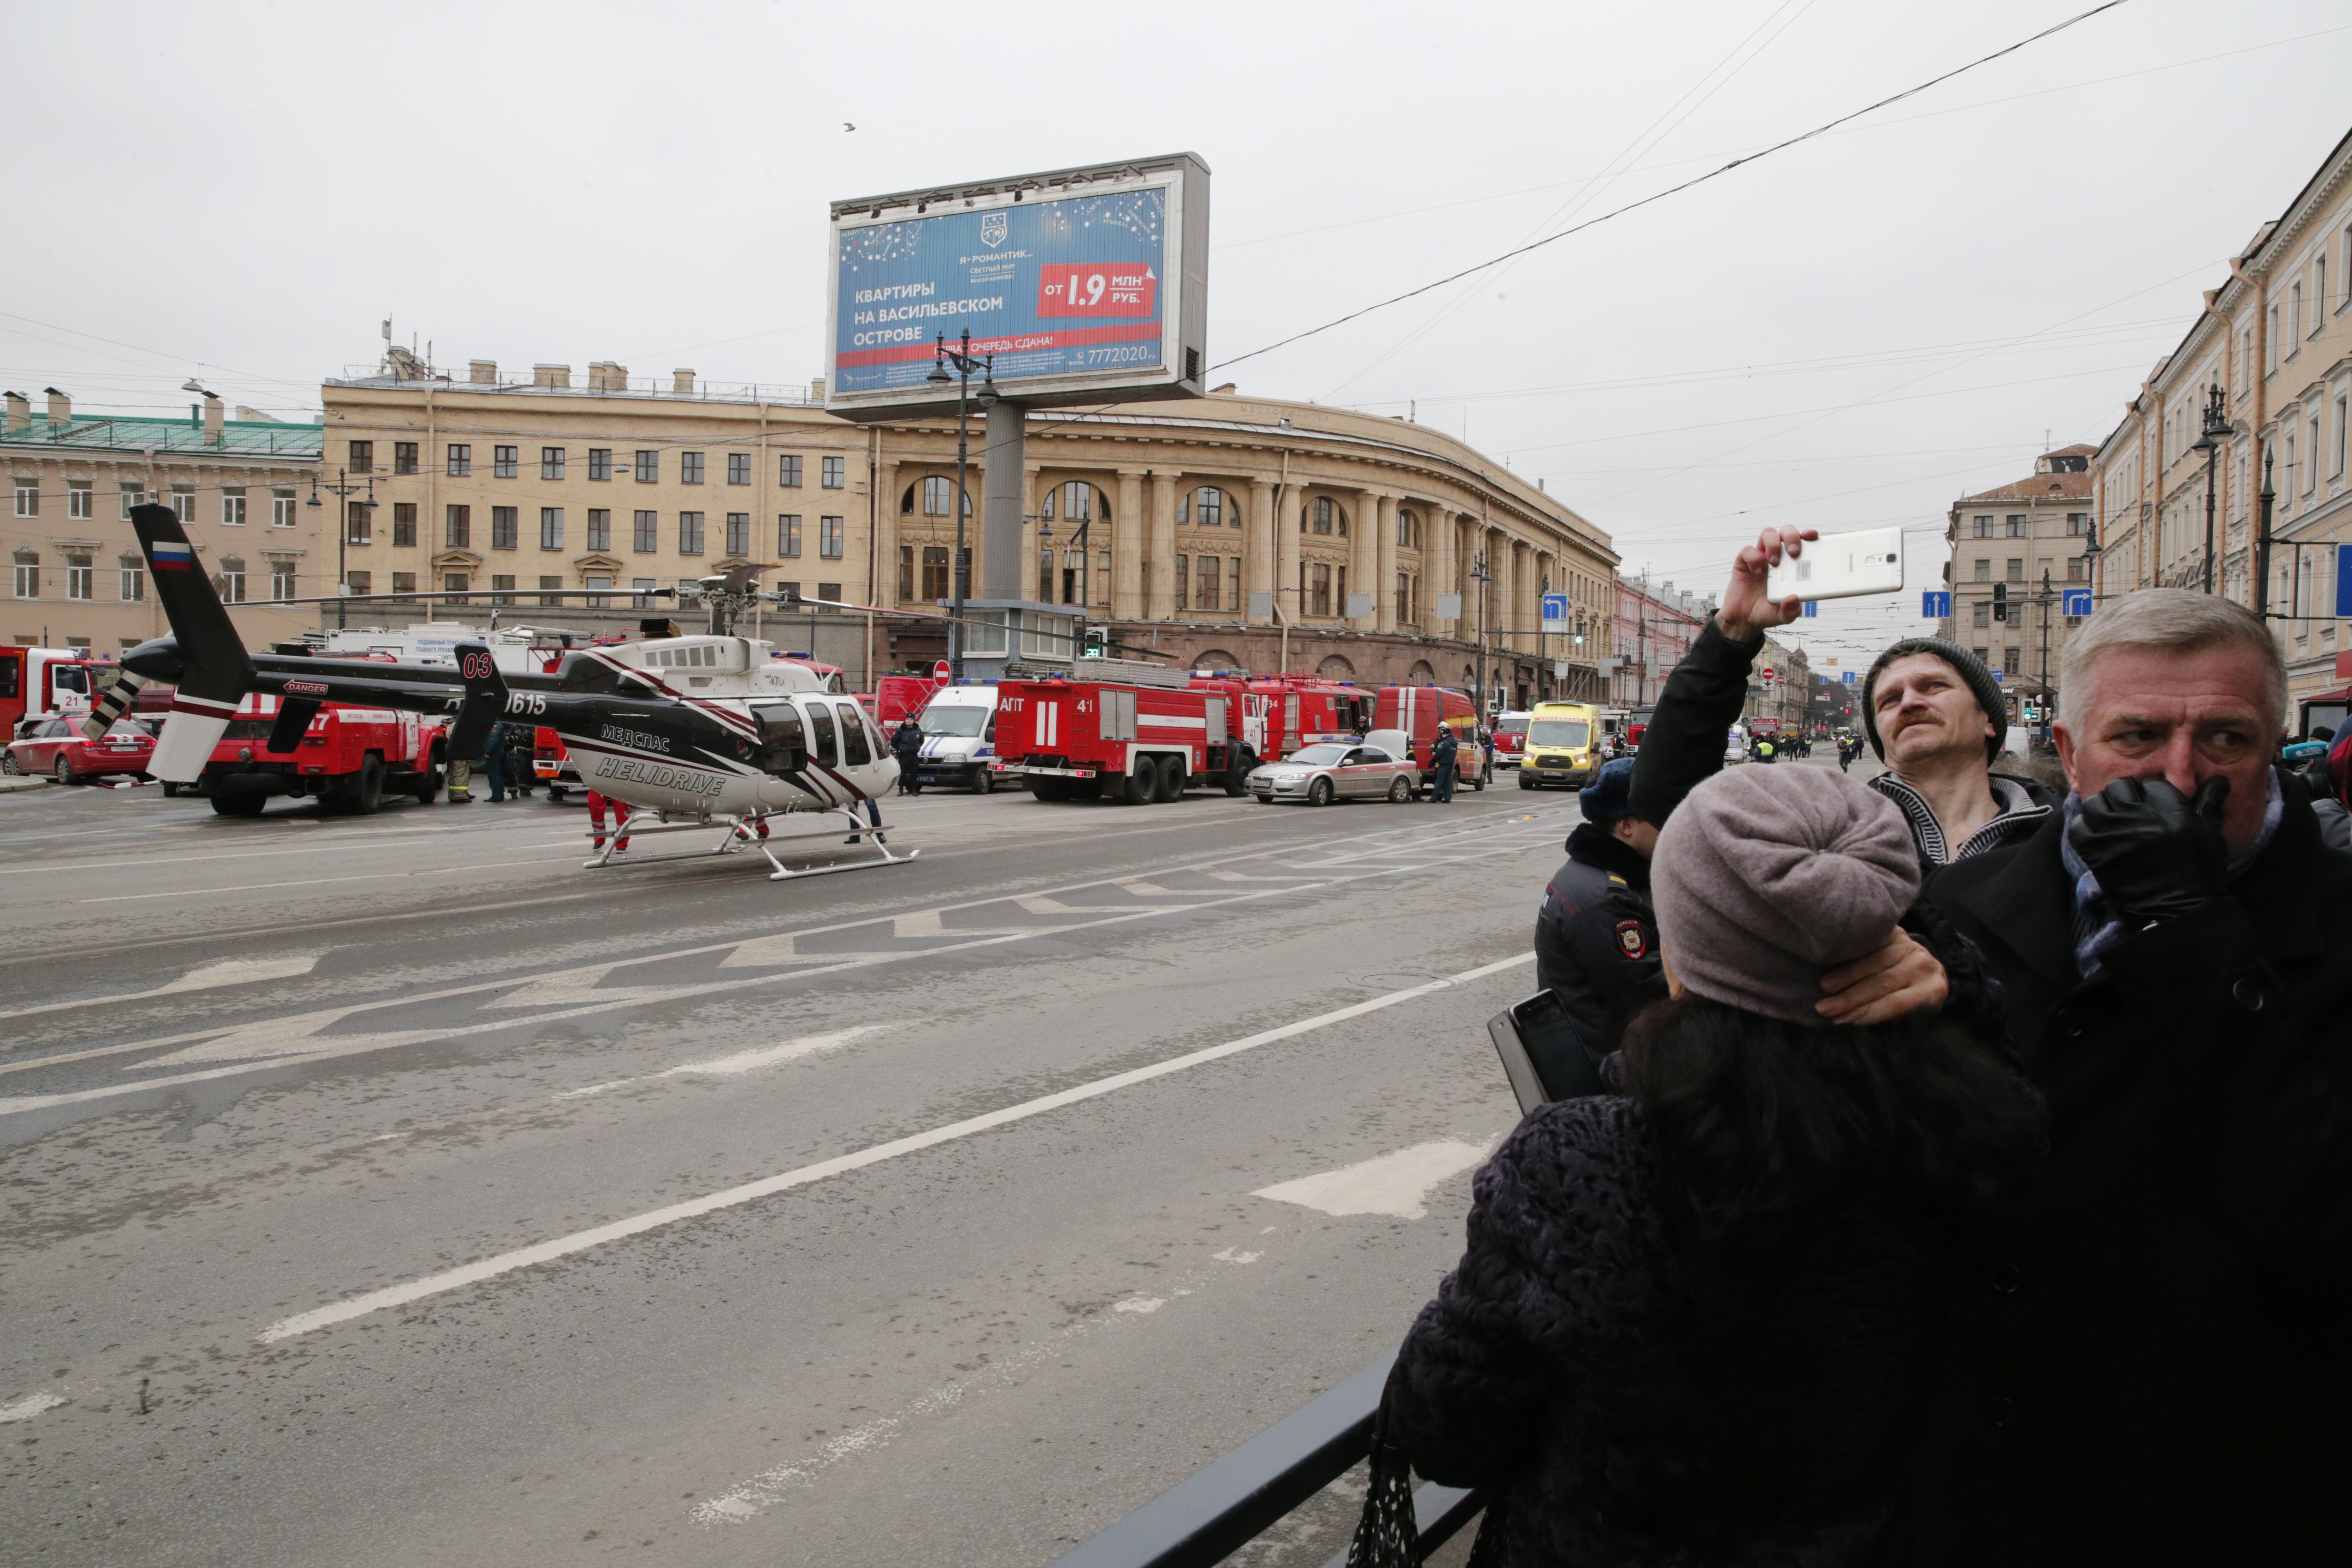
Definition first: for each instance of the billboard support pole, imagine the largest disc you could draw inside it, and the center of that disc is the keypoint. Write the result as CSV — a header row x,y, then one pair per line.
x,y
1003,498
958,567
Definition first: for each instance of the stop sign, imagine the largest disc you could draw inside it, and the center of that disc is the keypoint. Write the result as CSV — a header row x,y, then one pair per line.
x,y
943,672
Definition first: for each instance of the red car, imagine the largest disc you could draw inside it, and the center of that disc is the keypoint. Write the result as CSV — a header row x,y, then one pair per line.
x,y
56,748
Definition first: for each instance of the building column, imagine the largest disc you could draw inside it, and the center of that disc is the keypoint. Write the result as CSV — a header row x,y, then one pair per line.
x,y
1163,547
1029,509
1259,540
1437,565
1363,557
1384,567
884,501
1283,518
1130,539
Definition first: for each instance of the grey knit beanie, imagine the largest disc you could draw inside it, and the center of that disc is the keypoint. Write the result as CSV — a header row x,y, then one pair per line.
x,y
1966,665
1766,879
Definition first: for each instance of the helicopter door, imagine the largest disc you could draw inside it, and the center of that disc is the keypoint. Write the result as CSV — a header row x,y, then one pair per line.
x,y
821,750
854,752
783,747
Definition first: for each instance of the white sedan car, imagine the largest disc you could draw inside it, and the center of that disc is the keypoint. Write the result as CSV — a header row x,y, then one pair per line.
x,y
1334,769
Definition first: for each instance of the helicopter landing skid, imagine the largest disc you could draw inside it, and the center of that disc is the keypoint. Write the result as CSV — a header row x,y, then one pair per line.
x,y
737,834
859,829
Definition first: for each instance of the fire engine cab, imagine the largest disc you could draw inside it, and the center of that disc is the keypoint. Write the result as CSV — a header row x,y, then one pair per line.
x,y
1146,736
349,757
38,680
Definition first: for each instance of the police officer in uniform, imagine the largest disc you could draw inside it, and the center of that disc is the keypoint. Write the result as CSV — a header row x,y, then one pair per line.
x,y
1596,940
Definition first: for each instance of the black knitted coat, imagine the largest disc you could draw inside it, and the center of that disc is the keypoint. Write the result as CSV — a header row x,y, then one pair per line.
x,y
1640,1402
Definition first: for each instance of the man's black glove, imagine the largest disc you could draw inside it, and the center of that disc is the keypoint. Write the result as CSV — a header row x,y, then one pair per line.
x,y
2157,854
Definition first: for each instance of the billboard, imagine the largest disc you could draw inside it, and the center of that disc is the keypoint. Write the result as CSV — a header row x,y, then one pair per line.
x,y
1087,286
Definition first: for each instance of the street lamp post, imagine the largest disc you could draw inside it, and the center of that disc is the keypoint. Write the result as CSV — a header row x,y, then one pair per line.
x,y
2262,542
1480,575
959,582
2217,425
342,489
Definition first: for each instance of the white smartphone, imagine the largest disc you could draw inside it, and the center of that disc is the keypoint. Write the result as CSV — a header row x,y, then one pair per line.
x,y
1841,566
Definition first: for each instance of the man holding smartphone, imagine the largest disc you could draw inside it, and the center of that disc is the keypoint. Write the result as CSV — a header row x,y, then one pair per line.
x,y
1932,711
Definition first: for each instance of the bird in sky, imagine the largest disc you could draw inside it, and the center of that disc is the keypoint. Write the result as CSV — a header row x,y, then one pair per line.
x,y
845,125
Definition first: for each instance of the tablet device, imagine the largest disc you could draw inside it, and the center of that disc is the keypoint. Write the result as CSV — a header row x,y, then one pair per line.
x,y
1841,566
1542,1055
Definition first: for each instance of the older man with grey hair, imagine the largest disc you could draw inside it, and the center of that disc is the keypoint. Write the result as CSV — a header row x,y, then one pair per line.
x,y
2155,1368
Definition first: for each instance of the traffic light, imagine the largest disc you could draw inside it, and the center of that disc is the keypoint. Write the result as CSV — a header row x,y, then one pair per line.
x,y
2000,601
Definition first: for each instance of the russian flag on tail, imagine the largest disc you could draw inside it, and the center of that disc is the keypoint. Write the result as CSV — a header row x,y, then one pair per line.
x,y
169,557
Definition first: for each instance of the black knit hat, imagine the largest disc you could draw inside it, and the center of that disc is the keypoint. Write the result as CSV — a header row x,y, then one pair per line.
x,y
1965,665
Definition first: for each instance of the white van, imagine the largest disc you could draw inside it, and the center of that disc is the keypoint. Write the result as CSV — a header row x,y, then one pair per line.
x,y
959,726
1734,744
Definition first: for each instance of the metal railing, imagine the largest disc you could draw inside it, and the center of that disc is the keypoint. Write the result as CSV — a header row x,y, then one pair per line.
x,y
1208,1517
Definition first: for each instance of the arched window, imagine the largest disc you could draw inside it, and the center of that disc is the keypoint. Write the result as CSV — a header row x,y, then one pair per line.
x,y
1408,529
1422,673
939,493
1076,501
1210,660
1335,669
1326,516
1207,507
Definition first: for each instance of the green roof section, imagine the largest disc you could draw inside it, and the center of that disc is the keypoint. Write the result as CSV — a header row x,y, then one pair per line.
x,y
144,432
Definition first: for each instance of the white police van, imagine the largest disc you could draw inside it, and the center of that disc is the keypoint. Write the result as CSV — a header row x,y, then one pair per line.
x,y
958,727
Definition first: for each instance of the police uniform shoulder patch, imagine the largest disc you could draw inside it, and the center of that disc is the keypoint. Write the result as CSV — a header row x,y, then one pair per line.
x,y
1618,881
1632,939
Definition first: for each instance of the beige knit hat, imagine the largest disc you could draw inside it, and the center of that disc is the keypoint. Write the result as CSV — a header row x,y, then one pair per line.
x,y
1767,877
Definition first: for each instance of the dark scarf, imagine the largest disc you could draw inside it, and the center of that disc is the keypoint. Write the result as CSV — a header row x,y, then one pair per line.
x,y
1593,845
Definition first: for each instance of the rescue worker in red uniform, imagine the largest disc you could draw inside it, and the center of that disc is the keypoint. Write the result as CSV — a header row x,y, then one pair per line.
x,y
596,804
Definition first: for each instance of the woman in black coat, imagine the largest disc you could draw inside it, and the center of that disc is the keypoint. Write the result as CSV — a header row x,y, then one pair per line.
x,y
1693,1322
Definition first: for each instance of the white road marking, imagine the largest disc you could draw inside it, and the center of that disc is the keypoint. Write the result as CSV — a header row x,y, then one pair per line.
x,y
751,1061
1234,1254
1141,1304
750,1191
1397,1185
32,1405
321,881
229,972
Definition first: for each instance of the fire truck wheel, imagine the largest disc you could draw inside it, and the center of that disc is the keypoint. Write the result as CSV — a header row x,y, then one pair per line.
x,y
1319,793
429,786
1048,788
238,803
1399,792
1236,783
555,793
1171,780
365,792
1140,785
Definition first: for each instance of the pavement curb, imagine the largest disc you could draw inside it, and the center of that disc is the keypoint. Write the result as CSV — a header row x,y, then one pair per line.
x,y
19,783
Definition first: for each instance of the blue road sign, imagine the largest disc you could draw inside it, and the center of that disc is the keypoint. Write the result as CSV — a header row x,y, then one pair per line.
x,y
1812,606
1846,676
1555,612
1936,604
2343,579
2077,601
1996,678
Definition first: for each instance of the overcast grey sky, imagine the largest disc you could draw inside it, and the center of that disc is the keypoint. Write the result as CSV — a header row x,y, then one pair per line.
x,y
1850,333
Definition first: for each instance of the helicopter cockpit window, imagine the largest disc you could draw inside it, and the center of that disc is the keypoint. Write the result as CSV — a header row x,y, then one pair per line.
x,y
783,748
820,733
854,750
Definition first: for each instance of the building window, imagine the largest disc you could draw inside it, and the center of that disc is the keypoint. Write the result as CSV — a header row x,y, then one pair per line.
x,y
78,503
135,494
788,470
1183,580
2078,524
404,525
231,581
648,533
28,574
830,593
598,602
505,527
2016,527
648,467
282,502
1323,511
600,528
1319,587
934,572
403,584
938,493
132,589
79,575
1408,530
2010,662
689,533
600,464
787,536
461,460
2295,317
363,457
553,600
1984,570
1208,592
29,498
403,456
835,474
2016,570
359,523
689,467
2311,470
738,468
550,528
1983,616
644,599
455,583
281,580
232,506
739,531
184,497
1981,528
906,573
550,462
457,527
829,532
501,589
2343,414
506,462
2078,570
359,584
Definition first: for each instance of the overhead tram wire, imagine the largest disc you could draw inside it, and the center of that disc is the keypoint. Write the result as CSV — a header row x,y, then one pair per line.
x,y
1675,190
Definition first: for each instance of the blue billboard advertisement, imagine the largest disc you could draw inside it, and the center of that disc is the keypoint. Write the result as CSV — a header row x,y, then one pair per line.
x,y
1071,286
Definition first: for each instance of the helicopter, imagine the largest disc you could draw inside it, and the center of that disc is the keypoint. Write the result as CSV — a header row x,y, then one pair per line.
x,y
689,734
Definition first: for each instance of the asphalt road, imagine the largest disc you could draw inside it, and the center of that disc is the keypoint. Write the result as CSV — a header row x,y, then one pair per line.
x,y
390,1190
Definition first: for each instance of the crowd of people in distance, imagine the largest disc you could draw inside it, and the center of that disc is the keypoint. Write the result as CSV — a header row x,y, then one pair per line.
x,y
1975,1181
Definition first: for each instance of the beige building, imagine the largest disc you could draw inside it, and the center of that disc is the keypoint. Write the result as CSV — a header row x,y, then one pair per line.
x,y
2016,550
2276,340
243,486
1226,533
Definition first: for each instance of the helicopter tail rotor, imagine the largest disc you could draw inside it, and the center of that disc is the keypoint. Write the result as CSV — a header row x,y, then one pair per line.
x,y
216,671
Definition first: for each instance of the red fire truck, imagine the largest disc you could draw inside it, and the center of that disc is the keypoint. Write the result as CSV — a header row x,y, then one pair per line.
x,y
1284,713
347,756
1088,739
1420,711
38,680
